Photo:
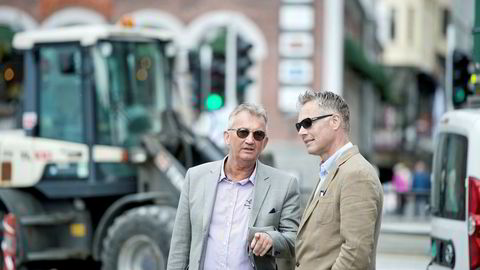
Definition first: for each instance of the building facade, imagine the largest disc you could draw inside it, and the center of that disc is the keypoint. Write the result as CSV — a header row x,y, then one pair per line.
x,y
289,54
414,35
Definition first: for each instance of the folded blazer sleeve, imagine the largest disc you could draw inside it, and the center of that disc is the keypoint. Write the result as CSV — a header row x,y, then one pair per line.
x,y
178,258
359,205
284,237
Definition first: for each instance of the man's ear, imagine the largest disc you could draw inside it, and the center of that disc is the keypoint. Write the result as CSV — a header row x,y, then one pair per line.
x,y
265,142
226,137
336,121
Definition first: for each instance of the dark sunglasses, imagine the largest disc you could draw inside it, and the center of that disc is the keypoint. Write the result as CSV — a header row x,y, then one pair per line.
x,y
307,122
243,133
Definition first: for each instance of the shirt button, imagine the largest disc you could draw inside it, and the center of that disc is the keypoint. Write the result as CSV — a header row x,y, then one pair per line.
x,y
297,264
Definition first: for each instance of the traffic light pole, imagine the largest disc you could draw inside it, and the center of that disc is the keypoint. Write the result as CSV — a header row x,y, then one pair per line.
x,y
476,36
206,66
231,67
449,67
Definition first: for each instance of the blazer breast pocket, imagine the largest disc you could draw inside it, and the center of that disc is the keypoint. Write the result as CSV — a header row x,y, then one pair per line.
x,y
268,216
324,212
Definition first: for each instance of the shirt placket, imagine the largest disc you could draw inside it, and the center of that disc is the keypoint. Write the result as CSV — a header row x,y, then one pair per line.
x,y
233,192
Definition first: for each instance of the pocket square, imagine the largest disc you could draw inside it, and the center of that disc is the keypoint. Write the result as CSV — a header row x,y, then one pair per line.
x,y
272,211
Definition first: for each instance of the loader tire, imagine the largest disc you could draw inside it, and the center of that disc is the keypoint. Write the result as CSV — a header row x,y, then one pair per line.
x,y
139,239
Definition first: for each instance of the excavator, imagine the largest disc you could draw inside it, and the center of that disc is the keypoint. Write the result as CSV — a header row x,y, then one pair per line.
x,y
96,167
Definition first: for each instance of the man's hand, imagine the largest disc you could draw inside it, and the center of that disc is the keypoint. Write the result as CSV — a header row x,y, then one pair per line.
x,y
261,244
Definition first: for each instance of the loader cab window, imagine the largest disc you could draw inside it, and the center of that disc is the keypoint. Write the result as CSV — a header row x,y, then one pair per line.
x,y
130,90
449,176
60,93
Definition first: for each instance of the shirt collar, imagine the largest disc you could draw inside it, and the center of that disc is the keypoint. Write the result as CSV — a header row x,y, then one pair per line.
x,y
328,164
251,178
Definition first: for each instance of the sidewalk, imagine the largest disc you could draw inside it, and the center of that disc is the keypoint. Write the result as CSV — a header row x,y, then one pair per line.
x,y
405,225
404,235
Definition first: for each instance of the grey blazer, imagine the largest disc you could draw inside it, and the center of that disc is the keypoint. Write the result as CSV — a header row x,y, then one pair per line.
x,y
273,189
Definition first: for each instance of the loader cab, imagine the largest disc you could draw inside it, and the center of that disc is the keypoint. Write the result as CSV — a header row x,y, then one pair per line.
x,y
117,81
91,93
455,194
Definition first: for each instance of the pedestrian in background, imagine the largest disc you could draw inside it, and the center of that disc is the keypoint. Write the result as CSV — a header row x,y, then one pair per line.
x,y
401,183
340,226
421,187
236,213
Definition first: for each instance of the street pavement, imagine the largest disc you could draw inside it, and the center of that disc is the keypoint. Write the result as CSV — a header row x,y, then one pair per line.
x,y
401,262
404,243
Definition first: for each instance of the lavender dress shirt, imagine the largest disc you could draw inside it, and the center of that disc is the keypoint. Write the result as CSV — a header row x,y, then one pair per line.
x,y
227,247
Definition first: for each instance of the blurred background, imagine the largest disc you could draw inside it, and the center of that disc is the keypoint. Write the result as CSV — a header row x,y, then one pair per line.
x,y
387,58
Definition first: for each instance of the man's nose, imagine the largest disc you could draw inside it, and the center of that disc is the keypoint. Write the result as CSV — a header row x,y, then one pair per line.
x,y
302,131
250,138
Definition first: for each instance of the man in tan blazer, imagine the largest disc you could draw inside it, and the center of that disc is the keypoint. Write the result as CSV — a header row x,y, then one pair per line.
x,y
340,226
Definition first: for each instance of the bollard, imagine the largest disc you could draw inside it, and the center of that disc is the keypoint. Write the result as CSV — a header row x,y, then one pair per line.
x,y
9,243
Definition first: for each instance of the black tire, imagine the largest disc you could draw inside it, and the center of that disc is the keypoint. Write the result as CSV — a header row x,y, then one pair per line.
x,y
139,239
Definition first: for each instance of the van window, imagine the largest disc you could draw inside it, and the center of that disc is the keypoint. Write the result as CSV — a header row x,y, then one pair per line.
x,y
449,176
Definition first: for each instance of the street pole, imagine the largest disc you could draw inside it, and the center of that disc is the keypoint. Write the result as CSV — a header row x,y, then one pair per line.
x,y
449,67
231,67
206,67
333,46
476,36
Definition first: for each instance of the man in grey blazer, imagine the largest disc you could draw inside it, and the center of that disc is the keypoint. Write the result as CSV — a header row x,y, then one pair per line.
x,y
236,213
340,226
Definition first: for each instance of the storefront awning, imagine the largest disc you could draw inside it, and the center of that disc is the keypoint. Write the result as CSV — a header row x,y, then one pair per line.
x,y
356,59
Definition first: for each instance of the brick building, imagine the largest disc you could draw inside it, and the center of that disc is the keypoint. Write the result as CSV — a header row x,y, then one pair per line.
x,y
346,62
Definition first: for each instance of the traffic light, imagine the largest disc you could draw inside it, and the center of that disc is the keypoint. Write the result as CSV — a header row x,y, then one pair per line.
x,y
216,97
462,72
244,62
12,76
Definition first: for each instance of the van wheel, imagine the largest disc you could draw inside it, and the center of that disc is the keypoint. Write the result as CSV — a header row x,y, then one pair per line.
x,y
139,239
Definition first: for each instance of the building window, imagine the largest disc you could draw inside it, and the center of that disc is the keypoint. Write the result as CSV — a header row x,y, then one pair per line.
x,y
445,21
392,24
410,26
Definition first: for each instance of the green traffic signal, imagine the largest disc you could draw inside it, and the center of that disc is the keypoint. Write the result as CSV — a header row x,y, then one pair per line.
x,y
461,78
460,95
213,102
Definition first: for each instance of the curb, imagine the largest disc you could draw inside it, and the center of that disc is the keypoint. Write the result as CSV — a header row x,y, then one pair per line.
x,y
421,229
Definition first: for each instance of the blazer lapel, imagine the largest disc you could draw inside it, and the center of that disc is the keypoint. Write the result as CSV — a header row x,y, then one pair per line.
x,y
313,192
315,197
261,188
308,212
209,194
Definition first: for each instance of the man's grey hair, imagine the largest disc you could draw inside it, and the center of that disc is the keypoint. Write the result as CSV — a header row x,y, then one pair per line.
x,y
328,102
255,110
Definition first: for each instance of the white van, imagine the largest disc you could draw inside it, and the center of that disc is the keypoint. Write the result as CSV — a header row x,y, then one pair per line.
x,y
455,195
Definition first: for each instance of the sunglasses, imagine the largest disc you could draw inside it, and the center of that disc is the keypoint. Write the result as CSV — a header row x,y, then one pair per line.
x,y
243,133
307,122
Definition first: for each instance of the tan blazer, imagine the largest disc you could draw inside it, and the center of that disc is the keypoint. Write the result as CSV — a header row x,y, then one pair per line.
x,y
340,226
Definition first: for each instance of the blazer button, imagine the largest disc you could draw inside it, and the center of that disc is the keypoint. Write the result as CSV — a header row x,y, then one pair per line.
x,y
297,264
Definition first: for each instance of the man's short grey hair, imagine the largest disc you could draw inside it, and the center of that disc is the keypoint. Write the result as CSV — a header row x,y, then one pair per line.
x,y
328,102
255,110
